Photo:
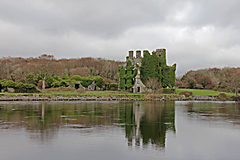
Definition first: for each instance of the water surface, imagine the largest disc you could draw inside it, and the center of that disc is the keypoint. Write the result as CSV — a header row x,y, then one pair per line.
x,y
119,130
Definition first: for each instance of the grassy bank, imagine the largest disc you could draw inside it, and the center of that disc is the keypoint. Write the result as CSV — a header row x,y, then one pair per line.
x,y
70,92
201,92
196,92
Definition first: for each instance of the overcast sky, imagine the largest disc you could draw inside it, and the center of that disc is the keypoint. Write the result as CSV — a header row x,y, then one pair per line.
x,y
196,33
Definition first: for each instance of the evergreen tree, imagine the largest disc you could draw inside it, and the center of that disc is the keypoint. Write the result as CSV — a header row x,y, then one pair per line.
x,y
65,76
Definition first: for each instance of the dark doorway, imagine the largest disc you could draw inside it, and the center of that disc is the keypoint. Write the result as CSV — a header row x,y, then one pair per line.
x,y
77,86
138,89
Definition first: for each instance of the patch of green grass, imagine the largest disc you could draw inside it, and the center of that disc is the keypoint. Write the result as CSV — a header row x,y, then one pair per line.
x,y
104,93
202,92
13,94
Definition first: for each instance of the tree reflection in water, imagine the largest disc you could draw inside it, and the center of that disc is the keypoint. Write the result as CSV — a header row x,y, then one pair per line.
x,y
209,111
145,123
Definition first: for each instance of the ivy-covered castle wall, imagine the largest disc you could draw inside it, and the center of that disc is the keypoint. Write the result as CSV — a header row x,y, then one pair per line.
x,y
150,65
127,75
154,65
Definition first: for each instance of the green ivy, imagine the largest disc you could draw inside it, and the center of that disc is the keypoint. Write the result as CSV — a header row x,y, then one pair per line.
x,y
86,81
98,81
31,78
18,86
127,75
154,66
122,77
65,76
57,78
113,86
76,78
49,79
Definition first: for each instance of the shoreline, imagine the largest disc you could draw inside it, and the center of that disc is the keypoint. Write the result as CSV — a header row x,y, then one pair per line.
x,y
107,98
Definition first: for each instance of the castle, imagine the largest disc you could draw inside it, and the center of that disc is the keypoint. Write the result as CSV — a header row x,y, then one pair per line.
x,y
135,73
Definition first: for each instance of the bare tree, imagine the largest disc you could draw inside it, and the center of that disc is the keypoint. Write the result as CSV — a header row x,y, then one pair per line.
x,y
235,82
154,84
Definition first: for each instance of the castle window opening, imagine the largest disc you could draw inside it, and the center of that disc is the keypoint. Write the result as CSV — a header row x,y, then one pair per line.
x,y
138,89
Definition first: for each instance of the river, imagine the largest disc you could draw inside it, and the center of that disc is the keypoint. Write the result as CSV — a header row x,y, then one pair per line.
x,y
119,130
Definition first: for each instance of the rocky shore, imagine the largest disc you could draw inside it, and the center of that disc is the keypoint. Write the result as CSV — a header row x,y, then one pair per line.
x,y
61,98
102,98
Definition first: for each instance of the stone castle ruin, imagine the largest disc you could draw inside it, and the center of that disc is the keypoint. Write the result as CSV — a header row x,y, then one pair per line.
x,y
135,73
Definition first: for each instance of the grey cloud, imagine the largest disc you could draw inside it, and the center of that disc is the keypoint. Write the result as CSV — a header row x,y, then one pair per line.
x,y
197,34
104,18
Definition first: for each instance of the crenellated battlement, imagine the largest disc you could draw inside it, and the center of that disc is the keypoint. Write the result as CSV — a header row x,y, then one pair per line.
x,y
137,59
159,52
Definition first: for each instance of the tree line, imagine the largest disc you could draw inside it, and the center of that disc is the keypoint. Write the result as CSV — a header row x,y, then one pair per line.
x,y
226,79
17,68
19,73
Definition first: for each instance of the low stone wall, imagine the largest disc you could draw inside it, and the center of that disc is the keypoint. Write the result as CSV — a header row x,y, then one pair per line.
x,y
61,98
105,98
204,98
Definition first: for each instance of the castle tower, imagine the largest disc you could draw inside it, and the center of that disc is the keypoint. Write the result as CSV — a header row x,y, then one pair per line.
x,y
159,52
144,52
138,54
131,54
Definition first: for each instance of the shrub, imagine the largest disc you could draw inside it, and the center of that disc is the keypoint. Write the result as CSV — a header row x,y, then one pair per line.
x,y
180,84
39,85
79,90
153,96
76,78
23,80
186,93
67,89
63,84
11,84
19,87
49,79
4,83
204,81
65,76
86,81
25,88
192,83
57,78
56,83
107,86
99,81
222,97
168,90
62,89
210,86
113,86
31,78
199,86
153,84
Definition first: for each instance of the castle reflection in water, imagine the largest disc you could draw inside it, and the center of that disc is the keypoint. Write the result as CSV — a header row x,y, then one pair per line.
x,y
144,123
